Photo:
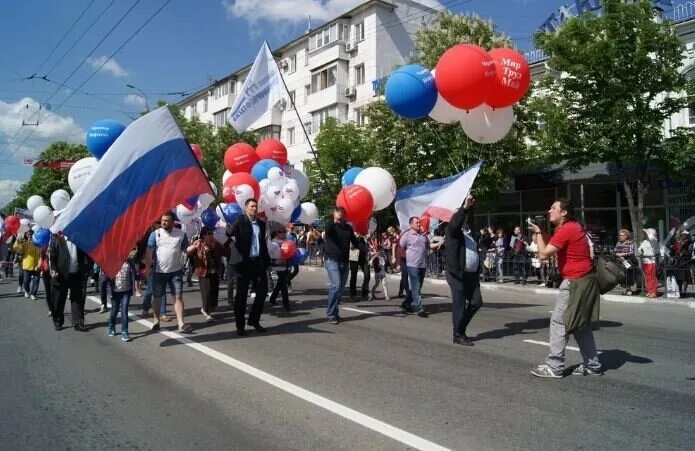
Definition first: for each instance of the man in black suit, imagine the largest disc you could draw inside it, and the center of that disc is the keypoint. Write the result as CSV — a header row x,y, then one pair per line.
x,y
462,270
69,268
249,240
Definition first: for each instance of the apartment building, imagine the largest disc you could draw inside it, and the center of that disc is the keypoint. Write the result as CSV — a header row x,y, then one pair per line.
x,y
331,71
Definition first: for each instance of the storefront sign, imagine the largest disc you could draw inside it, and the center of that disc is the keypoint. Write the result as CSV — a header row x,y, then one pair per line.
x,y
566,12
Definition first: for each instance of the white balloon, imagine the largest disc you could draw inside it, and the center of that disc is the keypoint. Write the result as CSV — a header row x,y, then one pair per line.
x,y
284,209
380,184
486,125
443,111
273,250
225,176
80,172
262,204
309,214
33,202
183,213
60,199
273,193
220,213
220,235
277,176
291,189
302,181
205,199
43,216
242,193
24,225
263,185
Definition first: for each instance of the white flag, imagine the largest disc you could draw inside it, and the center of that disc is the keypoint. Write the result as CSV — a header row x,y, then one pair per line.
x,y
262,89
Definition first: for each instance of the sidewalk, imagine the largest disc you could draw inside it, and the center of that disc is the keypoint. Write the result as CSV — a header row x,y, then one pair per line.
x,y
532,288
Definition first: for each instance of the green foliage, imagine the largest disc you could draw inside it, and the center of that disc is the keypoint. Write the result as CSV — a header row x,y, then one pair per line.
x,y
44,181
621,83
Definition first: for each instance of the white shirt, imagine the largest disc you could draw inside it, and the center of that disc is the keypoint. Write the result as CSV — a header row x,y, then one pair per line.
x,y
169,248
72,250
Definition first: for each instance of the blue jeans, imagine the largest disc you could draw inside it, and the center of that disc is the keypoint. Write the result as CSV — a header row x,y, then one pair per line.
x,y
147,298
31,282
416,276
337,277
119,302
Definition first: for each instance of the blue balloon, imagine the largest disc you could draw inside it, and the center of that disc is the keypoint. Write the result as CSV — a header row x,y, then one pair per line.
x,y
260,169
101,135
349,176
300,256
209,218
41,238
231,212
411,91
296,212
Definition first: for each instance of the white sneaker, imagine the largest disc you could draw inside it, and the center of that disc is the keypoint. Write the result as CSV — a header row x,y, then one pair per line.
x,y
33,298
19,289
26,294
102,309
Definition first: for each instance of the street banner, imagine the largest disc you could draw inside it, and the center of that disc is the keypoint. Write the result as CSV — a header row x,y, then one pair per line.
x,y
438,198
261,90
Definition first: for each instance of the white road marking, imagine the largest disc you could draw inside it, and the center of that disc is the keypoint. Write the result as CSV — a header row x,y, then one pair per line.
x,y
358,310
543,343
364,420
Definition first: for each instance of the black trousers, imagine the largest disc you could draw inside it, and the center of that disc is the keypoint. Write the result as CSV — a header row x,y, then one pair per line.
x,y
281,288
520,261
76,284
404,287
255,273
466,298
364,267
46,276
209,291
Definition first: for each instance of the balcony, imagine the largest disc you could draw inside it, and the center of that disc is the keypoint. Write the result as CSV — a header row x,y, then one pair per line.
x,y
327,54
327,97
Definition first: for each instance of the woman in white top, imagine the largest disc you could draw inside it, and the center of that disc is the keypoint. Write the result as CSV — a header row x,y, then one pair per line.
x,y
647,252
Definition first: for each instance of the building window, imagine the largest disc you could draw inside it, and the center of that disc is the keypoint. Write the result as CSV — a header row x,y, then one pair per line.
x,y
290,136
359,75
220,118
293,63
319,117
205,105
306,56
221,90
323,79
232,87
691,110
319,40
194,108
344,32
307,127
359,116
307,91
359,32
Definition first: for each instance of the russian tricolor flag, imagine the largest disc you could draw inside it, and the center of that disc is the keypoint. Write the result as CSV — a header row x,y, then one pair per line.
x,y
149,169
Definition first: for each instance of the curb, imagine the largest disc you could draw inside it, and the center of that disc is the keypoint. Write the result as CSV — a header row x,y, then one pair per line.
x,y
551,291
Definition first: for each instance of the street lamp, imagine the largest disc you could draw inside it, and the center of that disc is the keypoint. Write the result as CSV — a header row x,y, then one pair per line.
x,y
147,104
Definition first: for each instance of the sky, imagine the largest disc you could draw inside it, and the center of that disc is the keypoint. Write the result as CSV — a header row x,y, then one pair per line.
x,y
181,49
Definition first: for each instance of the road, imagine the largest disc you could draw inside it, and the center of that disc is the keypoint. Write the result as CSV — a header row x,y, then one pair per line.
x,y
379,380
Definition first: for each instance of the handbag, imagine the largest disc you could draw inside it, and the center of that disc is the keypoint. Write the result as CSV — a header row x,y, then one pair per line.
x,y
608,274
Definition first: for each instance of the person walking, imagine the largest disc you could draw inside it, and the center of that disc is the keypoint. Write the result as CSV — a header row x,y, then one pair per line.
x,y
416,245
167,246
578,298
248,232
206,255
69,268
30,264
123,289
339,237
462,270
281,268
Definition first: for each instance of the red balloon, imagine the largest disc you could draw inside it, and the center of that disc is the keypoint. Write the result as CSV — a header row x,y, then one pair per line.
x,y
11,224
287,249
236,179
361,228
425,223
240,157
197,151
513,78
272,149
357,202
465,76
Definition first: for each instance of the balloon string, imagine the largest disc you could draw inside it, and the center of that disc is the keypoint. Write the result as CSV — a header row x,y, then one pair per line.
x,y
427,123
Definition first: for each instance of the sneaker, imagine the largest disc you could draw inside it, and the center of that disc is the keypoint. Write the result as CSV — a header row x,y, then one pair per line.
x,y
125,337
423,314
184,329
33,298
542,285
546,371
19,289
112,333
26,294
103,309
334,320
582,370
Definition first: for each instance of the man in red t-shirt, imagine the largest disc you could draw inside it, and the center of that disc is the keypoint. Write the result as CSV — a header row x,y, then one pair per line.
x,y
571,245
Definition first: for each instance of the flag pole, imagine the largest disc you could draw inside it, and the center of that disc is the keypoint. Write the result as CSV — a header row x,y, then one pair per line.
x,y
299,118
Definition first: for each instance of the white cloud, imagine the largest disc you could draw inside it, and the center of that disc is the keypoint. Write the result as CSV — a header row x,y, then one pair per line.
x,y
52,127
8,189
111,66
296,10
133,99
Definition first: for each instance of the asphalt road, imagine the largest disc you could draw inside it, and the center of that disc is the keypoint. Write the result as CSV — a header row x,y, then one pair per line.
x,y
379,380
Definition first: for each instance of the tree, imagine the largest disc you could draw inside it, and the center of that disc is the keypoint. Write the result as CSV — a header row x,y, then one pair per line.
x,y
620,85
415,151
44,181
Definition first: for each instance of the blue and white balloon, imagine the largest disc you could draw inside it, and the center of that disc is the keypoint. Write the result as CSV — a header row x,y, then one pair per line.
x,y
411,91
101,135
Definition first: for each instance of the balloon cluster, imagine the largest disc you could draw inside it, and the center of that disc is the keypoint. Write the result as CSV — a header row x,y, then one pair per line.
x,y
469,85
43,216
364,192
